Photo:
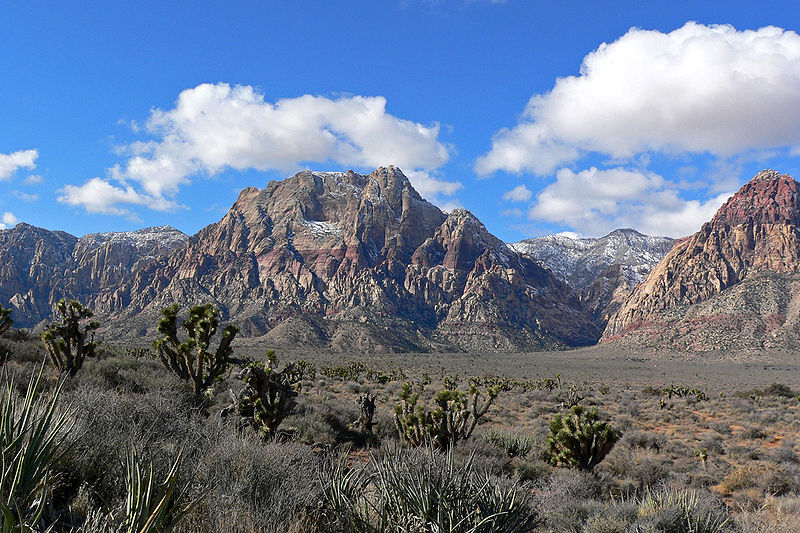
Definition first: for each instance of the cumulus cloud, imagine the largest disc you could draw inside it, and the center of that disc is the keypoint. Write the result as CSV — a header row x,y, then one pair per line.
x,y
696,89
8,220
33,179
520,193
214,127
99,196
595,202
10,163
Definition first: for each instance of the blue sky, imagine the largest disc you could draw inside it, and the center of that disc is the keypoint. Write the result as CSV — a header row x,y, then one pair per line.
x,y
121,116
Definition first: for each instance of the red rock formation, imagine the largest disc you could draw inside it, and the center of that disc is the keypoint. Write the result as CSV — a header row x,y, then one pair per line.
x,y
754,234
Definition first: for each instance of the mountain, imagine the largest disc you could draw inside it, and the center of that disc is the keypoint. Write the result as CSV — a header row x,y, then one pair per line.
x,y
601,270
41,266
733,284
335,259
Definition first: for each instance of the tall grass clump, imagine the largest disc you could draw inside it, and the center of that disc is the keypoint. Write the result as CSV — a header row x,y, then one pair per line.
x,y
423,490
679,511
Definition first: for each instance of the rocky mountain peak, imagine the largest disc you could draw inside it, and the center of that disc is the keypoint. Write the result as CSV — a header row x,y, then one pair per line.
x,y
770,197
750,246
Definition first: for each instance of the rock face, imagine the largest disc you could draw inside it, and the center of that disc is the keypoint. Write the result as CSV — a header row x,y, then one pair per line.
x,y
734,283
356,261
602,271
41,266
343,260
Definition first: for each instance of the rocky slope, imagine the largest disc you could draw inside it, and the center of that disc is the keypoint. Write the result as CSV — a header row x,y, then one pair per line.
x,y
343,260
41,266
734,283
356,261
603,270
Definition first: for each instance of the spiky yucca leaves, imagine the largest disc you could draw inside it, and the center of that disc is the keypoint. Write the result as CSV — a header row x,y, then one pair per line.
x,y
580,439
452,420
679,511
423,490
268,396
152,507
32,441
66,340
191,359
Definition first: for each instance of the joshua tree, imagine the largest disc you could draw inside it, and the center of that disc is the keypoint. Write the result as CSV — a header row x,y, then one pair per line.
x,y
5,319
453,419
191,359
364,422
580,439
66,339
268,395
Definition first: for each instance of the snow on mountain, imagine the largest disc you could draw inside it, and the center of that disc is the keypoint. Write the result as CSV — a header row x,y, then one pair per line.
x,y
579,261
147,240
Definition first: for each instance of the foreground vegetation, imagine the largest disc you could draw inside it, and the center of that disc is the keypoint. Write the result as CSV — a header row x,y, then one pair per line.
x,y
127,444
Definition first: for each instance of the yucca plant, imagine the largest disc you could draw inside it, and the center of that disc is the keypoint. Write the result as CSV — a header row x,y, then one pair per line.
x,y
150,506
32,440
679,511
423,490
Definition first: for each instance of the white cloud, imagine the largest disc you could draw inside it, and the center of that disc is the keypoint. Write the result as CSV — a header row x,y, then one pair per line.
x,y
214,127
520,193
25,197
8,220
595,202
10,163
696,89
514,212
33,179
99,196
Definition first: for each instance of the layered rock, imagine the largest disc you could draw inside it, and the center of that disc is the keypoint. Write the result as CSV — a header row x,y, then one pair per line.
x,y
737,274
41,266
601,270
356,261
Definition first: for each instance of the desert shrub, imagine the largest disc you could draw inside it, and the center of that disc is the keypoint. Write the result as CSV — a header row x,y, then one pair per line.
x,y
766,478
567,499
514,444
423,490
752,433
580,439
268,486
108,422
777,515
783,454
643,440
641,470
712,444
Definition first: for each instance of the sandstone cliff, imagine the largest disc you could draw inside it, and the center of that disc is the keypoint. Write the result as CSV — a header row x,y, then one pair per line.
x,y
327,259
733,283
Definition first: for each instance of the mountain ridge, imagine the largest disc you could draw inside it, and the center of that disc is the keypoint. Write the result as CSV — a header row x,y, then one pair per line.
x,y
336,259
